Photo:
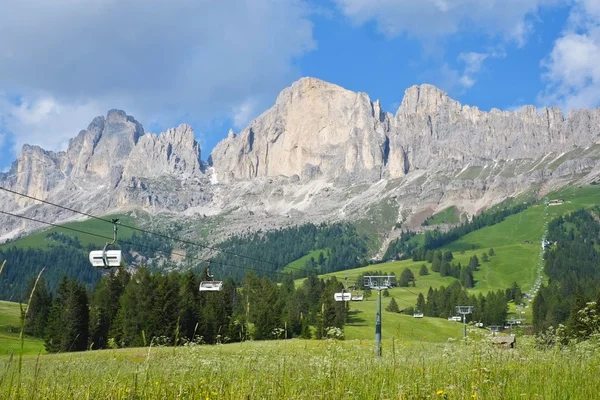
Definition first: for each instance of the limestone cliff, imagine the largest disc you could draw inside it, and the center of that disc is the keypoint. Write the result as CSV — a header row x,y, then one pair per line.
x,y
321,153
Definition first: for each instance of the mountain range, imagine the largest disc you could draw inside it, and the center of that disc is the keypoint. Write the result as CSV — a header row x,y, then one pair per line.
x,y
320,154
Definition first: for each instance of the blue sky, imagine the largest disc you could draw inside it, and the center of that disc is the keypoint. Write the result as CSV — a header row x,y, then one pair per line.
x,y
217,65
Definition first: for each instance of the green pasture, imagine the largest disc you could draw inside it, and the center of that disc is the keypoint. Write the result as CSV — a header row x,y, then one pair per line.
x,y
299,369
10,328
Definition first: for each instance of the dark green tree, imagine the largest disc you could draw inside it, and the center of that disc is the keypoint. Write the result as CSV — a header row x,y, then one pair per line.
x,y
38,309
420,303
406,278
392,306
423,271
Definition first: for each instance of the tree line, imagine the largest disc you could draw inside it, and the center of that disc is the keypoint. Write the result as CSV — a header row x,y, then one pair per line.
x,y
345,249
490,309
137,309
572,264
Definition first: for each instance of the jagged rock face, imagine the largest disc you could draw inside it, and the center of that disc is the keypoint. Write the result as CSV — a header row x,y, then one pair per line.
x,y
35,172
321,153
315,129
430,128
107,154
319,129
174,152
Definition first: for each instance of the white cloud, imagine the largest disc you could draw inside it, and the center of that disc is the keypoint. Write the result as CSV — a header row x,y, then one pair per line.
x,y
45,122
473,64
436,18
160,60
242,113
573,66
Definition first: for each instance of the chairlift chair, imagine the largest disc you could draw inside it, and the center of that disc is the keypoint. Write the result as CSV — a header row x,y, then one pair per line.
x,y
107,258
210,285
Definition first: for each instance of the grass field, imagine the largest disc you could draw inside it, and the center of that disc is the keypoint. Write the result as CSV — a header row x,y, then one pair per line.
x,y
9,332
297,369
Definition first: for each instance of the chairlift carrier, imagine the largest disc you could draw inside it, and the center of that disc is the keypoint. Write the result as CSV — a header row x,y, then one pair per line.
x,y
107,258
210,285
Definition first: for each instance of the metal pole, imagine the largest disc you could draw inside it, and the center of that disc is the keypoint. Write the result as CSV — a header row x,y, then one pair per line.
x,y
378,327
464,326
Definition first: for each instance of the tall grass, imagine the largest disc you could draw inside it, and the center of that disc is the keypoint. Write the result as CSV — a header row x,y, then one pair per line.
x,y
300,369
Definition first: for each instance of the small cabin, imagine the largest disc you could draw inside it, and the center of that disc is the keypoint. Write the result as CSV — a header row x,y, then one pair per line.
x,y
556,202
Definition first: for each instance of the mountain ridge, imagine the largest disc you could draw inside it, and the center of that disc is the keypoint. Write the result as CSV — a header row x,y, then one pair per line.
x,y
321,153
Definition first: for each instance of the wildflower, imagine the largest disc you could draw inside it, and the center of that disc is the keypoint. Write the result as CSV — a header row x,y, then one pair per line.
x,y
474,396
440,392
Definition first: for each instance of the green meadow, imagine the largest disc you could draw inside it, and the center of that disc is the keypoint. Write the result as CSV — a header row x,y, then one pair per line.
x,y
10,328
300,369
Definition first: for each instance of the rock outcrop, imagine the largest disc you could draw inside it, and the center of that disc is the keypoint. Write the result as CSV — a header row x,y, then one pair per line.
x,y
314,129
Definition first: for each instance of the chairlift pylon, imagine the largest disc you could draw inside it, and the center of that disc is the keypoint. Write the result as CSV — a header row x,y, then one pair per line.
x,y
210,285
107,258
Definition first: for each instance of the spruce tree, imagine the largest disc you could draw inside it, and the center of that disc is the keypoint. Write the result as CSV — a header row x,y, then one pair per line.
x,y
423,271
420,303
38,308
392,306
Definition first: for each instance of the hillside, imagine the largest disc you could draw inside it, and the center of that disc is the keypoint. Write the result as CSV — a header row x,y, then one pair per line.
x,y
516,242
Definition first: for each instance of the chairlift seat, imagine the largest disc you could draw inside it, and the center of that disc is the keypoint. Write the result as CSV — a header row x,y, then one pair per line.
x,y
113,258
211,286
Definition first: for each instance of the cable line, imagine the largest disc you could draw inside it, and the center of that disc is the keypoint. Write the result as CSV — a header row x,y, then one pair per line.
x,y
141,229
137,244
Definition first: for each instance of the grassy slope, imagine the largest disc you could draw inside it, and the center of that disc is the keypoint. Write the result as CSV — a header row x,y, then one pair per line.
x,y
299,263
448,216
39,240
9,338
515,261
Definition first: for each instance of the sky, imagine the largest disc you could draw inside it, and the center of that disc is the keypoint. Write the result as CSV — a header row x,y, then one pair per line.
x,y
217,65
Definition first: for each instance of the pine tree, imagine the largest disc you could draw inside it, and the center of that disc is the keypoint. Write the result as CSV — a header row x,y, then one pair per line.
x,y
392,306
473,263
484,257
466,278
492,253
406,278
420,303
386,293
38,309
423,271
68,320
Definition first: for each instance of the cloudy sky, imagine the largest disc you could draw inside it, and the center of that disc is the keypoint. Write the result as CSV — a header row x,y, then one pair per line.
x,y
218,64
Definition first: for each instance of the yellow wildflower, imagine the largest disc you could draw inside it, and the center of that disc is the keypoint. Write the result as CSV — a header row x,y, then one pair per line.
x,y
440,392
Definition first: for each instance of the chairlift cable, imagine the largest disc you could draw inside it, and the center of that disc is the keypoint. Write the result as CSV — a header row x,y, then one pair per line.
x,y
137,244
140,229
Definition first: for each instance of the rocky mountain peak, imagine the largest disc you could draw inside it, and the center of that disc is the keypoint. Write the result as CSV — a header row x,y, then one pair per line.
x,y
424,100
